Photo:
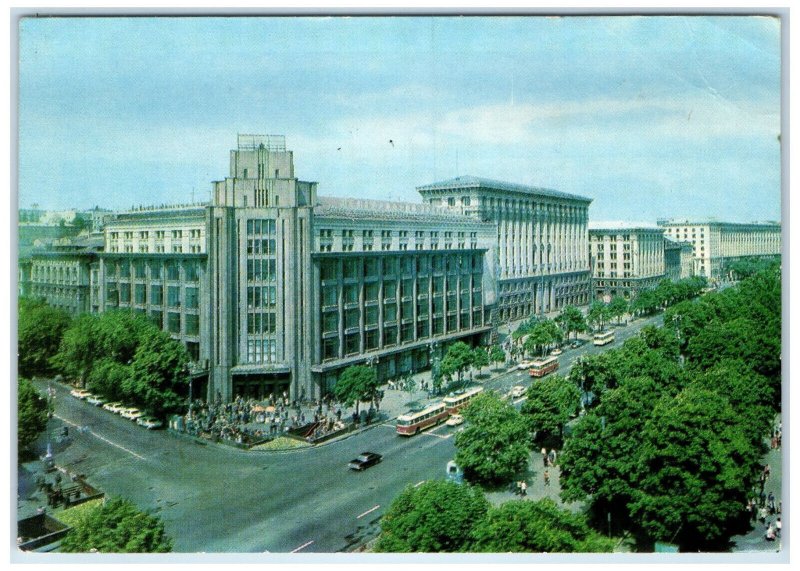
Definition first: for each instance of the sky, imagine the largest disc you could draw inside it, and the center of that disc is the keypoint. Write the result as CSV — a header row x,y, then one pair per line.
x,y
651,117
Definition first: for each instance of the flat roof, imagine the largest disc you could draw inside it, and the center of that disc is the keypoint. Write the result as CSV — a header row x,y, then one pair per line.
x,y
469,181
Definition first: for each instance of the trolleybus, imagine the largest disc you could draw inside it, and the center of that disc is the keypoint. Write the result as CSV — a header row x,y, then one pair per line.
x,y
414,421
604,338
542,367
457,402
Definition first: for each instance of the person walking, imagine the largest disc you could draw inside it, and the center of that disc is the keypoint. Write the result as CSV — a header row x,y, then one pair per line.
x,y
546,477
523,488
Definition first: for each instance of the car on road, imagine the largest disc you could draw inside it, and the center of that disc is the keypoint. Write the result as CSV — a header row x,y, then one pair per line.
x,y
454,420
113,407
80,393
131,413
555,352
364,461
524,366
517,391
149,422
575,344
96,401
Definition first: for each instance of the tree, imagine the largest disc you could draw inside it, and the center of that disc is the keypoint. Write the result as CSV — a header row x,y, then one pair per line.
x,y
617,307
549,405
543,334
538,527
107,379
480,358
32,413
39,331
357,383
79,348
571,319
457,360
598,314
436,517
497,355
694,471
158,373
645,302
494,446
117,526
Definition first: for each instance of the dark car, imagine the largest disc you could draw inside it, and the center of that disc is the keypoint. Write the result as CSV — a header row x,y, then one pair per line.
x,y
364,461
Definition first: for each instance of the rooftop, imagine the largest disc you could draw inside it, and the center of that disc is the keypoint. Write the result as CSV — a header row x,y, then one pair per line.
x,y
478,182
601,225
363,208
712,222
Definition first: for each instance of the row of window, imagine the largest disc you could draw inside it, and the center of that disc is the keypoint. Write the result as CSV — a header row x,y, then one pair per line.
x,y
436,286
257,227
157,249
157,271
372,267
394,335
121,293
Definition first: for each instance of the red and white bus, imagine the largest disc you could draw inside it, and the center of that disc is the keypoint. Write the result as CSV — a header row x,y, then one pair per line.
x,y
457,402
414,421
542,367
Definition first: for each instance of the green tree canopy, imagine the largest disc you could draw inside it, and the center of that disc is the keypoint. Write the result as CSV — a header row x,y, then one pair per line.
x,y
158,374
32,413
107,379
480,358
117,526
494,446
40,329
357,383
459,358
436,517
543,334
617,307
522,526
549,405
497,355
598,314
571,319
693,471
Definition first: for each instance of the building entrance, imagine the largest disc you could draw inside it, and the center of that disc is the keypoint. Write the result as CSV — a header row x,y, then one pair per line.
x,y
261,386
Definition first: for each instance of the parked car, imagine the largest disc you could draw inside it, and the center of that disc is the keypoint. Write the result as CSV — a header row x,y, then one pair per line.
x,y
149,422
113,406
575,344
96,401
80,393
131,413
556,352
517,391
364,461
454,420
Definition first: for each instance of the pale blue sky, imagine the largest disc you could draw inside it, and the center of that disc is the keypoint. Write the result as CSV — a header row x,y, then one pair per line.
x,y
649,116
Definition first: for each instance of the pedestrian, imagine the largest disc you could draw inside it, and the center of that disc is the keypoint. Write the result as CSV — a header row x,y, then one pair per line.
x,y
544,457
778,527
766,472
523,489
762,515
770,533
546,478
771,503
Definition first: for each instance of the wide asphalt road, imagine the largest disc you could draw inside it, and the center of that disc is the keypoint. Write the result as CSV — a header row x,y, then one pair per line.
x,y
218,499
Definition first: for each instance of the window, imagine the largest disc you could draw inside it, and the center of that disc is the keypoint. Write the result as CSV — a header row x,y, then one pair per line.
x,y
371,315
174,296
173,271
390,336
156,295
351,294
125,293
352,317
328,269
192,297
174,322
330,348
139,293
451,201
139,269
192,324
330,295
330,321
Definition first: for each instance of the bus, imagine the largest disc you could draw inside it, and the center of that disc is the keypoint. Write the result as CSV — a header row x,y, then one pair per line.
x,y
542,367
416,420
604,338
457,402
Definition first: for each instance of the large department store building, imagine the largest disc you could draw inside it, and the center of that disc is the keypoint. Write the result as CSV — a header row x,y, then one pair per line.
x,y
273,288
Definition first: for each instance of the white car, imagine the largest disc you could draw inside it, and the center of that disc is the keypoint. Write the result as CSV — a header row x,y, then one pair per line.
x,y
454,420
149,422
80,393
524,366
556,352
113,406
517,391
96,401
131,413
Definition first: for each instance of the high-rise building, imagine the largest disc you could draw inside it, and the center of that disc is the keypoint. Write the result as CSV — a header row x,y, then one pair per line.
x,y
541,236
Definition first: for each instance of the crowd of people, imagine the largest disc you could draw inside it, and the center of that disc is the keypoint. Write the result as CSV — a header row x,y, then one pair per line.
x,y
249,421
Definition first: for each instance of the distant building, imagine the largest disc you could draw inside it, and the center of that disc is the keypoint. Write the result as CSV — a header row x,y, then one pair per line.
x,y
542,240
718,244
625,258
678,262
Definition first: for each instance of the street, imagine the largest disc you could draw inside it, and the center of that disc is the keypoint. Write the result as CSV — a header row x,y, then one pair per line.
x,y
215,498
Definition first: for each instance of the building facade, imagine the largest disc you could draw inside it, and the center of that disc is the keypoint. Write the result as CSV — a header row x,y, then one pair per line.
x,y
678,262
717,244
541,236
275,289
625,259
